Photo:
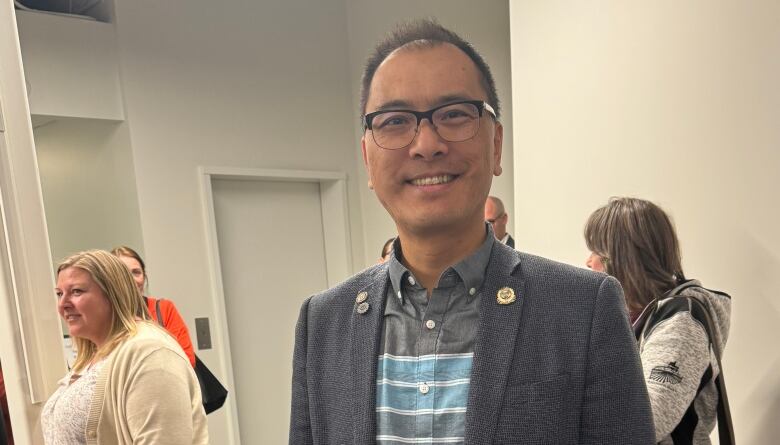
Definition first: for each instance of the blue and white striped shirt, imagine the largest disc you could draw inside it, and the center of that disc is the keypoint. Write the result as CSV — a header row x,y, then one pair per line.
x,y
427,350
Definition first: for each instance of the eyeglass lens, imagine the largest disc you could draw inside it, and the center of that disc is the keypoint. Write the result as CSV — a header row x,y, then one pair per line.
x,y
454,123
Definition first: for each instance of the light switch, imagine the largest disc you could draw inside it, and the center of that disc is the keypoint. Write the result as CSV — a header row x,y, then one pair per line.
x,y
203,333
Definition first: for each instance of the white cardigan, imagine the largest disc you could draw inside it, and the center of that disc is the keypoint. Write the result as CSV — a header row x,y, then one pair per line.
x,y
147,393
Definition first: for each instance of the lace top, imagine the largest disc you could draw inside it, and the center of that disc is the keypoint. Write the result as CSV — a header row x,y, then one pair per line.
x,y
64,417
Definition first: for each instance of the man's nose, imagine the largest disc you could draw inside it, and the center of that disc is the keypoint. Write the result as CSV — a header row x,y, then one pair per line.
x,y
427,143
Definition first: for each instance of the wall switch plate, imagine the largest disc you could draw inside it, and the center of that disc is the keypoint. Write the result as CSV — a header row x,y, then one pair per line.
x,y
203,333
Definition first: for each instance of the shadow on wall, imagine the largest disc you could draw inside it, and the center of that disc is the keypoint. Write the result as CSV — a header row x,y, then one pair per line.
x,y
767,428
755,323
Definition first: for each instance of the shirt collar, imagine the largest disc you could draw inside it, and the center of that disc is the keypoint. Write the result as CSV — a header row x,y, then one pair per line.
x,y
471,270
505,238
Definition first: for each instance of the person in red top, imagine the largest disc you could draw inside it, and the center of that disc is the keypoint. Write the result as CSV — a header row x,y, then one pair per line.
x,y
171,319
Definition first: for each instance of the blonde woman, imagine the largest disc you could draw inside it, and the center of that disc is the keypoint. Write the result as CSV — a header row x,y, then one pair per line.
x,y
131,382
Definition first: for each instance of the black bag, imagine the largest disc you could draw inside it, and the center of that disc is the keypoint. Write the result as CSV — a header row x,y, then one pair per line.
x,y
211,390
725,425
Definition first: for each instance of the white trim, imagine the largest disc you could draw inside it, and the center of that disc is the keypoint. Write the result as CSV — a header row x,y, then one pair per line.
x,y
338,250
31,340
263,174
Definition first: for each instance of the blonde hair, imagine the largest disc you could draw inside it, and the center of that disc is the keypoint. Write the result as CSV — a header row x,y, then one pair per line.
x,y
127,305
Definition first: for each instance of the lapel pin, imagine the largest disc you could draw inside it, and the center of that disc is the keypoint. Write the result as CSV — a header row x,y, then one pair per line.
x,y
362,308
361,297
505,295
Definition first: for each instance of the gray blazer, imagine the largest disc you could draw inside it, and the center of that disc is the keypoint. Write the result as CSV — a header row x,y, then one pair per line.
x,y
557,366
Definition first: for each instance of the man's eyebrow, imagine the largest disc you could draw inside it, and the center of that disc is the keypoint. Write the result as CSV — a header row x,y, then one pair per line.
x,y
453,98
394,105
402,104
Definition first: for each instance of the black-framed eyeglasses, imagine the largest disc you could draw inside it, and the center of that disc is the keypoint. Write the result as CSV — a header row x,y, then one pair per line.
x,y
454,122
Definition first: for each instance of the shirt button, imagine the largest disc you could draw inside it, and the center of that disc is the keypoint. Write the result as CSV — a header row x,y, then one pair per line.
x,y
91,434
411,280
424,388
472,291
430,324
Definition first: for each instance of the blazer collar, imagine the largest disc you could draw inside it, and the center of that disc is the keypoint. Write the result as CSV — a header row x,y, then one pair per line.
x,y
494,347
366,329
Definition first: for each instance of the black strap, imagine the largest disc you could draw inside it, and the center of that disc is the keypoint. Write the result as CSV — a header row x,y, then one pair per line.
x,y
725,426
159,314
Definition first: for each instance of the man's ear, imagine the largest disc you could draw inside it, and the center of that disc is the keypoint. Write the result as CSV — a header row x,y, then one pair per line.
x,y
365,160
498,143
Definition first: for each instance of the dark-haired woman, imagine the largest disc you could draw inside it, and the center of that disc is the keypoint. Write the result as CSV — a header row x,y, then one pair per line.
x,y
635,241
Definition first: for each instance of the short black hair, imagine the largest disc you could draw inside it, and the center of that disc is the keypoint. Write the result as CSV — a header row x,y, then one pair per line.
x,y
425,32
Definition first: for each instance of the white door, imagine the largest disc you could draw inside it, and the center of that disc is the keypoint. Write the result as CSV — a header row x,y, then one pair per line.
x,y
272,253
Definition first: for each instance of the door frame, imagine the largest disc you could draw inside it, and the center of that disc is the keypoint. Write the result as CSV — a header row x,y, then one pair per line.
x,y
336,234
31,342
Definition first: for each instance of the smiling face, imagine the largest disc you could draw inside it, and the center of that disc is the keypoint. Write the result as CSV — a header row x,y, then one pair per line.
x,y
431,186
82,304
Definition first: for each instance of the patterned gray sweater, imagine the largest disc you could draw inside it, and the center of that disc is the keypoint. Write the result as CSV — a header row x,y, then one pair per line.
x,y
679,364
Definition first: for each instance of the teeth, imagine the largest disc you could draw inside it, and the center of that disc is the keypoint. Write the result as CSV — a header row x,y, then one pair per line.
x,y
433,180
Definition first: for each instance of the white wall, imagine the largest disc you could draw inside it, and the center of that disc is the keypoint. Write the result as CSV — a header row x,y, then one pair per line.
x,y
30,336
88,184
270,84
486,25
676,102
247,84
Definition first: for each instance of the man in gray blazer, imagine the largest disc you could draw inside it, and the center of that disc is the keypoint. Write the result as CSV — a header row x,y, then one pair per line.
x,y
457,339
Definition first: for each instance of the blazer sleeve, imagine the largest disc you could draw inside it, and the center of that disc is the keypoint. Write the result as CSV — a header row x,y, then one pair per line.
x,y
615,408
300,419
174,323
159,403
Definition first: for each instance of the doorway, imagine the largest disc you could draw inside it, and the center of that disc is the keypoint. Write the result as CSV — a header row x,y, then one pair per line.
x,y
277,237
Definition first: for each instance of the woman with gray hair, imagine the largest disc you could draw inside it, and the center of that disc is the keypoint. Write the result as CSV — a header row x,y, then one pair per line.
x,y
681,327
131,382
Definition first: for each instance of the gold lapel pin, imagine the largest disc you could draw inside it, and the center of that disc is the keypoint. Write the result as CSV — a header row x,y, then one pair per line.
x,y
505,295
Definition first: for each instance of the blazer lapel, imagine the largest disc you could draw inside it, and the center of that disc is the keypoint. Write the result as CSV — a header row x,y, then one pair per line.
x,y
366,327
494,348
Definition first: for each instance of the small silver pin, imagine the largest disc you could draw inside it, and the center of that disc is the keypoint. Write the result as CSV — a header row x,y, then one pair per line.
x,y
361,297
362,308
